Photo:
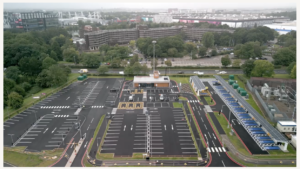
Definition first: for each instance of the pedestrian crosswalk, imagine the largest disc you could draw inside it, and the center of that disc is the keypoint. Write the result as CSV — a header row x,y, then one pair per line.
x,y
61,115
193,101
216,149
175,86
97,106
55,107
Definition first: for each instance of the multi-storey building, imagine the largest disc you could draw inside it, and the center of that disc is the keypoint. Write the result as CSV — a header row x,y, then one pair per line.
x,y
31,20
120,36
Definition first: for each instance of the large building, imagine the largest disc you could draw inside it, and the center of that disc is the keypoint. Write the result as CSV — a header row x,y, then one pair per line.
x,y
154,80
121,36
30,20
283,28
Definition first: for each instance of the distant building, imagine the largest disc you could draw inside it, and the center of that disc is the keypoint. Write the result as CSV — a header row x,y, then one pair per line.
x,y
173,10
31,20
88,28
283,28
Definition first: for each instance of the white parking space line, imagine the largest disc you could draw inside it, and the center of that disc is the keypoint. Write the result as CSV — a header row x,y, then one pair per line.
x,y
24,142
9,122
27,138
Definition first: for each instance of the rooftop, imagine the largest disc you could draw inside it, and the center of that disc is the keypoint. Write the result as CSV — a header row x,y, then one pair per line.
x,y
198,83
287,123
150,79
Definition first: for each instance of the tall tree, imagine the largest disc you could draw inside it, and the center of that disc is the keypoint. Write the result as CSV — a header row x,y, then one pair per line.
x,y
208,39
236,63
284,57
262,68
247,67
56,48
57,75
290,67
47,62
69,54
15,100
168,63
293,72
30,66
103,69
225,61
202,51
190,46
13,73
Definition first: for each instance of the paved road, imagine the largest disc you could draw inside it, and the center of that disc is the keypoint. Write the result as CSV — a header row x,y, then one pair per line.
x,y
94,71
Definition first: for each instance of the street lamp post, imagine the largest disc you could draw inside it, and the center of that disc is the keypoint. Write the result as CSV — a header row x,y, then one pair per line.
x,y
79,129
229,119
12,141
35,115
222,109
97,140
153,55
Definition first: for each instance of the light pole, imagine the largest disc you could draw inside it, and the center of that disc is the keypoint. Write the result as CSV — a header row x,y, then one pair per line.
x,y
79,128
97,140
229,119
139,86
79,101
35,115
62,137
153,55
222,109
12,141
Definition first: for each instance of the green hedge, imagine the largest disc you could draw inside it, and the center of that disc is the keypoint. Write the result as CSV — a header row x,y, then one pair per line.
x,y
277,66
242,79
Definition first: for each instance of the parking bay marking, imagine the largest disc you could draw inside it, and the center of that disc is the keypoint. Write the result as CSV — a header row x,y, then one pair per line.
x,y
53,130
45,130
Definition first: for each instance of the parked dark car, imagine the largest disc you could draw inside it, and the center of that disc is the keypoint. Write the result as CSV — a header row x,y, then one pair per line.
x,y
180,72
216,84
264,58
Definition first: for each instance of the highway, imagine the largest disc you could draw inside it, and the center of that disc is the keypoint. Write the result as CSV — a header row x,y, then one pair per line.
x,y
94,71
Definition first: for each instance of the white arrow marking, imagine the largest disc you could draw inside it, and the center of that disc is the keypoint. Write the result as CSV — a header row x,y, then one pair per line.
x,y
233,122
107,87
165,127
202,119
124,127
85,144
214,136
205,135
199,113
88,127
131,127
205,126
67,98
213,143
53,130
209,135
193,109
45,130
92,120
199,107
172,126
72,144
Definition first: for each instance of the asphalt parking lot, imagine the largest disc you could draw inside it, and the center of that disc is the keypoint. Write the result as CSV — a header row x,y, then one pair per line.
x,y
44,125
127,133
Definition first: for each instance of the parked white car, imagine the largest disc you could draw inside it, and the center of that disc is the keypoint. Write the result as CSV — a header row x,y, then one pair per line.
x,y
222,72
199,73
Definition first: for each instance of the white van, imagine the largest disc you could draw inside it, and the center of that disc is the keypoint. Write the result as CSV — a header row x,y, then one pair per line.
x,y
130,98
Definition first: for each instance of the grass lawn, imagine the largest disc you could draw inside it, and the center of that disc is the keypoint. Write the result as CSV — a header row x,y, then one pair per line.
x,y
282,76
183,80
96,132
102,142
86,163
177,105
126,77
15,157
208,100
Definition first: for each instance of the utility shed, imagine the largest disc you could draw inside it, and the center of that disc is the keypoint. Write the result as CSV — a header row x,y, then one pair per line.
x,y
197,85
286,126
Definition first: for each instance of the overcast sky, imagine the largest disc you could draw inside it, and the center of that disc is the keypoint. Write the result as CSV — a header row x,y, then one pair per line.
x,y
147,5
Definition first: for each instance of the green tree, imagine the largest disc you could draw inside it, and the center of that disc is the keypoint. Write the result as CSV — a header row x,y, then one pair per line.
x,y
236,63
248,50
26,86
262,68
172,52
69,54
208,39
214,52
144,69
116,63
134,59
225,61
202,51
284,57
15,100
53,55
90,59
13,73
290,67
57,75
123,63
19,90
247,67
104,48
103,69
136,68
168,63
56,48
132,43
128,70
47,62
155,63
190,46
30,66
293,73
43,80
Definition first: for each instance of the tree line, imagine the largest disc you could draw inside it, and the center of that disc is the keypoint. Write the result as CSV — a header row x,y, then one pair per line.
x,y
31,61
